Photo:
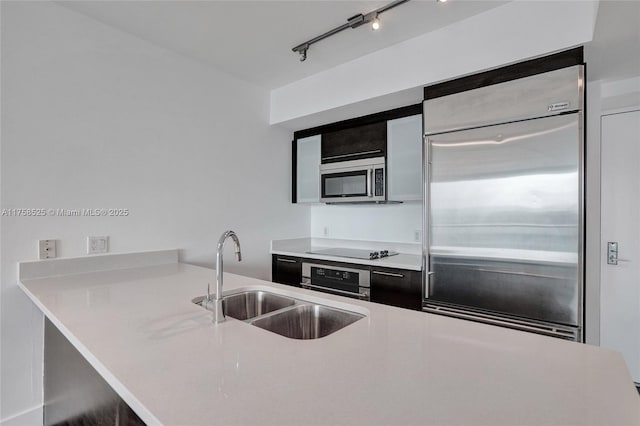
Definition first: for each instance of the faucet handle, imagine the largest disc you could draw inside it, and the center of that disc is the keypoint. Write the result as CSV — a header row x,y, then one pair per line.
x,y
207,298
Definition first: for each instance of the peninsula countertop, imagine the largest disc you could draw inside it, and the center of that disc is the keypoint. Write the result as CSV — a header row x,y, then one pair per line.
x,y
162,354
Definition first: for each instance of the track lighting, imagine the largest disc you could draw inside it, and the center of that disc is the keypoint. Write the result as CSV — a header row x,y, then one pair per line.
x,y
353,22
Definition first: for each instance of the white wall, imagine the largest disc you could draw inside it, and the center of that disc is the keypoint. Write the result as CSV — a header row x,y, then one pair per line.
x,y
95,118
613,83
603,97
506,34
388,222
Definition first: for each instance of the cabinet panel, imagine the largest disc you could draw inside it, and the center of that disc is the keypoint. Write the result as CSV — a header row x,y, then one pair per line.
x,y
365,141
404,158
397,287
307,169
74,392
286,270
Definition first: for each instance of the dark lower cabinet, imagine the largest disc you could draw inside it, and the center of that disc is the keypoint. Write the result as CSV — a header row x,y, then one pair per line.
x,y
397,287
389,286
286,270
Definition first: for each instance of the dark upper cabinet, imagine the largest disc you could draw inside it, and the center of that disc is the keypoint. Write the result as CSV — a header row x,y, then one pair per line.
x,y
286,270
366,141
390,134
397,287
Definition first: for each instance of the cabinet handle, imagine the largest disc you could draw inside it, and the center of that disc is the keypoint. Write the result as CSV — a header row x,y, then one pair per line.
x,y
329,290
280,259
351,155
390,274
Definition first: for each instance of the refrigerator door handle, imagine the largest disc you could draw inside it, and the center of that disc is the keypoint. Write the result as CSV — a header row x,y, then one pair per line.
x,y
570,333
427,277
426,178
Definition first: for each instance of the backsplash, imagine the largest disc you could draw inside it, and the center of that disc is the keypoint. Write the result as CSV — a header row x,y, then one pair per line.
x,y
388,222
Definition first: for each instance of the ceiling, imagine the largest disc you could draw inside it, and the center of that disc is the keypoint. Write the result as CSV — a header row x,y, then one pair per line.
x,y
252,40
614,52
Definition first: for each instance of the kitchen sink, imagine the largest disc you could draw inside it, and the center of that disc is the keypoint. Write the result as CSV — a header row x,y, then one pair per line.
x,y
307,321
287,316
251,304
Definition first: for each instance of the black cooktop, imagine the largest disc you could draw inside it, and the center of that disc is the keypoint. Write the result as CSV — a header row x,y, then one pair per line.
x,y
354,253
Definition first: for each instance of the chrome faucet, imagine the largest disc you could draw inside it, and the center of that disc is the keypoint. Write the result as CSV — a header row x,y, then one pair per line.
x,y
218,314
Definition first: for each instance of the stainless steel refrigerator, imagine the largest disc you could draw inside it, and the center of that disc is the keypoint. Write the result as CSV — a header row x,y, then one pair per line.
x,y
504,204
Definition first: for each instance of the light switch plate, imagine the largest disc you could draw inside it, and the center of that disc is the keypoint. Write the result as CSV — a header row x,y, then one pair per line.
x,y
46,249
97,244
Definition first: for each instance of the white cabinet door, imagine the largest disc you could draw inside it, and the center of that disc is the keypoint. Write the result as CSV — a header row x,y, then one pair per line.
x,y
308,170
404,159
620,284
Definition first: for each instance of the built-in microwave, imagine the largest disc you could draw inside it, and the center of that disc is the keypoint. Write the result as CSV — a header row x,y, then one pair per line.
x,y
353,181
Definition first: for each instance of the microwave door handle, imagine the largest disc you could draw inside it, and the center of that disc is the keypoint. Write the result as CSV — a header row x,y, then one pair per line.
x,y
369,183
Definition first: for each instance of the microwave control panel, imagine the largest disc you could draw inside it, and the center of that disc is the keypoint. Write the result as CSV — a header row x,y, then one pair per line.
x,y
379,182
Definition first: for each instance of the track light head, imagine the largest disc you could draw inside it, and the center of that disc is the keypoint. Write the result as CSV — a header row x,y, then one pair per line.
x,y
375,24
302,50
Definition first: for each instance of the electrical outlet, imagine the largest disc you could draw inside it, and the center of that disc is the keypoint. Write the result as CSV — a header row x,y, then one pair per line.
x,y
46,249
325,231
417,235
97,244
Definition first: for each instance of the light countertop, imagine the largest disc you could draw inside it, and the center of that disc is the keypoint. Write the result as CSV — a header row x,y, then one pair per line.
x,y
162,354
409,256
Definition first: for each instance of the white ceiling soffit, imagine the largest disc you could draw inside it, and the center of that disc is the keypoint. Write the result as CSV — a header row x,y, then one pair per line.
x,y
615,51
252,40
507,34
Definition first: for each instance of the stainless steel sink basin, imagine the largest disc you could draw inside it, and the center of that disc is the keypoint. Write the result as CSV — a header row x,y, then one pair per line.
x,y
307,321
288,316
251,304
